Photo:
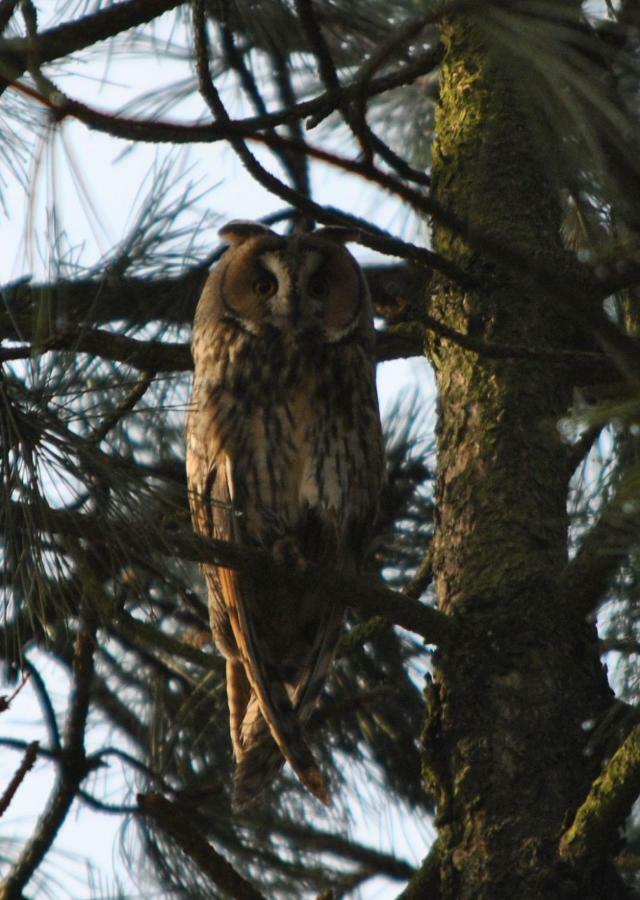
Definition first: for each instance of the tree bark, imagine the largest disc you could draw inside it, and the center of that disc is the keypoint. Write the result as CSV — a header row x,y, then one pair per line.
x,y
512,702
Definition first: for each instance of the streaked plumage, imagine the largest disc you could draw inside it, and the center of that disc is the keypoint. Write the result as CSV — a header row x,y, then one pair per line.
x,y
284,451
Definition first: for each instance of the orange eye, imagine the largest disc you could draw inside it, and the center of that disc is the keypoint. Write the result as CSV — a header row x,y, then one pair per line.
x,y
318,286
265,286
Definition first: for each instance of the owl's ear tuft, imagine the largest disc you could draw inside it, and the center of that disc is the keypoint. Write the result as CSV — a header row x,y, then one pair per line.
x,y
338,234
240,230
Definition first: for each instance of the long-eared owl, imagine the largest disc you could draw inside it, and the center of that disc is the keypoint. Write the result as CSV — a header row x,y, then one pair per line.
x,y
284,452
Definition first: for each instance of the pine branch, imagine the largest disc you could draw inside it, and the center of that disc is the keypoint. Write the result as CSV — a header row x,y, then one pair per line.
x,y
57,42
605,808
78,34
372,860
371,236
605,547
96,301
573,285
153,637
400,341
161,356
73,767
365,593
170,819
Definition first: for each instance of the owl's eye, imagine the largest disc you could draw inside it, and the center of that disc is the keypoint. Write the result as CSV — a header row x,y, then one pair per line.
x,y
265,286
318,286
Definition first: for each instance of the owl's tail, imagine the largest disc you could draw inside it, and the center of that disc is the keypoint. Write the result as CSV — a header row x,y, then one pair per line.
x,y
258,756
259,764
261,758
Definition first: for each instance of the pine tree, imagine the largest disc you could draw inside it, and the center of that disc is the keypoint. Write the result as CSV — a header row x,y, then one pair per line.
x,y
471,687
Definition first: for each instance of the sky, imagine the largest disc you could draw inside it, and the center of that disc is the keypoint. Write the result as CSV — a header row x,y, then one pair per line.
x,y
97,186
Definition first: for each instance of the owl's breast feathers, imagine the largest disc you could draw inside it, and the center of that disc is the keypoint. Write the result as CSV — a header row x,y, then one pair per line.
x,y
299,424
284,442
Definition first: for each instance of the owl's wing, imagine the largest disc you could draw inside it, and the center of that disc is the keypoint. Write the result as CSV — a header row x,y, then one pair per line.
x,y
248,623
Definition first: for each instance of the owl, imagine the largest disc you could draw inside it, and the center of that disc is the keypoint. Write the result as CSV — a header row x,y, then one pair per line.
x,y
284,453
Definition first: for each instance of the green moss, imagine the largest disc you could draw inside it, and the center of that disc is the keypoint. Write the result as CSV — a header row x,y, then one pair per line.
x,y
606,807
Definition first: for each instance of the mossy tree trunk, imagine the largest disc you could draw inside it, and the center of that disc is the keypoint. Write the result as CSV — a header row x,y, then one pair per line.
x,y
511,705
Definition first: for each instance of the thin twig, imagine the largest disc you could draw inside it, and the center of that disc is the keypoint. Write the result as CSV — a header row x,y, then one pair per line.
x,y
40,689
129,402
6,701
422,578
329,75
30,756
577,452
605,547
327,842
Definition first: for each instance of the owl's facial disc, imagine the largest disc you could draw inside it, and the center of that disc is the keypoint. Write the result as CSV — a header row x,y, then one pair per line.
x,y
304,296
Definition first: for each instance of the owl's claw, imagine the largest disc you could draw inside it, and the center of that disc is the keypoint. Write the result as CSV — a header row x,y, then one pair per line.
x,y
286,552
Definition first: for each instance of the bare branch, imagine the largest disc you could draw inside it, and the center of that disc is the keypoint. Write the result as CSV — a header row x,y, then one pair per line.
x,y
6,701
152,356
400,342
606,806
170,818
7,9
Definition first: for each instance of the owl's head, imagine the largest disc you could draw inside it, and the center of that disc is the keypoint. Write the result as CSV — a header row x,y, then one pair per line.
x,y
306,284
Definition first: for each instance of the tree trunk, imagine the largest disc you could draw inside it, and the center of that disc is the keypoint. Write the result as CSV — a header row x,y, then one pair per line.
x,y
512,704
